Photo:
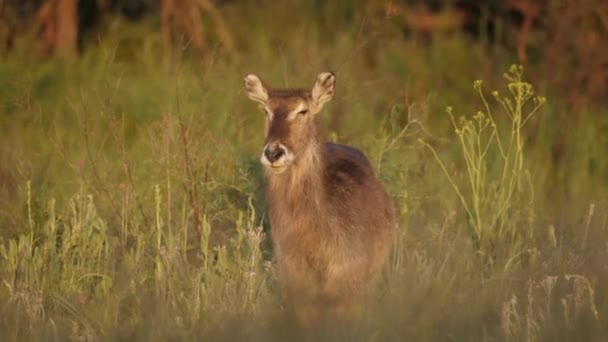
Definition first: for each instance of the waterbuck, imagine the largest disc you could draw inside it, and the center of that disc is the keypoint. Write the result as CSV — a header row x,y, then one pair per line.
x,y
331,220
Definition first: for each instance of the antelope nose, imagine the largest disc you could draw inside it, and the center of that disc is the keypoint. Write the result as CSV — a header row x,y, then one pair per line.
x,y
273,153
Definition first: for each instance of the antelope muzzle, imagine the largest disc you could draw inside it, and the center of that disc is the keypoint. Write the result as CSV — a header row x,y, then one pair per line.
x,y
276,157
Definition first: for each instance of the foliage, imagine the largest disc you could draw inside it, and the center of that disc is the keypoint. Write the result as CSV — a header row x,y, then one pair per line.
x,y
132,202
493,203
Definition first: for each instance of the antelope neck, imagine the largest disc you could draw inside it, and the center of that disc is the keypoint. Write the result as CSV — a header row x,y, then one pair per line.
x,y
303,179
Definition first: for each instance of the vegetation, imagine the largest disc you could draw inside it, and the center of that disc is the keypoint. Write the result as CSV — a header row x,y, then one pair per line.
x,y
132,200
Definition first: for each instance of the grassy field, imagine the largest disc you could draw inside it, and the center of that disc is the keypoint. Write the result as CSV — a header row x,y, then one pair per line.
x,y
132,200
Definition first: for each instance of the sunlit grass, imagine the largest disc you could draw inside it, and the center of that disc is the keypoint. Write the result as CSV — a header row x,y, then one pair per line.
x,y
133,203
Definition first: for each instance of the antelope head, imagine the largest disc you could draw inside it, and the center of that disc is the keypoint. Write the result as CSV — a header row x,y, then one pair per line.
x,y
291,127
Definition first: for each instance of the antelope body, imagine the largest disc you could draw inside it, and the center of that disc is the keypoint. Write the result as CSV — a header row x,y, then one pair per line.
x,y
331,220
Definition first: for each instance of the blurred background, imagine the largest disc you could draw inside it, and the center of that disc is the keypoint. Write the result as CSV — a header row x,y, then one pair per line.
x,y
128,149
64,60
550,36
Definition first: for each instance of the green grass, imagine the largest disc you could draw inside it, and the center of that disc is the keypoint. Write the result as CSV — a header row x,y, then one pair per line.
x,y
132,202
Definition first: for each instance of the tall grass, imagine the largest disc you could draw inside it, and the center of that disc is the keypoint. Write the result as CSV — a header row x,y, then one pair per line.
x,y
499,196
132,202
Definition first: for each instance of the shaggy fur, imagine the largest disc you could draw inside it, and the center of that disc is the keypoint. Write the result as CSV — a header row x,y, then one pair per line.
x,y
331,220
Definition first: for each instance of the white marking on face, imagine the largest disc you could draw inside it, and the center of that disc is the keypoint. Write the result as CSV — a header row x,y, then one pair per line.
x,y
280,165
269,113
294,113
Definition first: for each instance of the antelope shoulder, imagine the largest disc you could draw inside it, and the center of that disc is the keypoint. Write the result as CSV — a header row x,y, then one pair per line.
x,y
347,174
356,197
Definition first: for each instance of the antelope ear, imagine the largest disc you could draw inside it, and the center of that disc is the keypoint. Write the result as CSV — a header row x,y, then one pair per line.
x,y
323,89
255,88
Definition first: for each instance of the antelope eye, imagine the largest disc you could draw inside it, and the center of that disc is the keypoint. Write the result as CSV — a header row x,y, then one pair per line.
x,y
303,112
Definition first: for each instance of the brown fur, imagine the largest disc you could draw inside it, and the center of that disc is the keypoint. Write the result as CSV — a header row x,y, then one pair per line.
x,y
332,222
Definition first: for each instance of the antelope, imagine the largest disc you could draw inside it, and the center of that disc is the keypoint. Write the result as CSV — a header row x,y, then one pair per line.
x,y
331,220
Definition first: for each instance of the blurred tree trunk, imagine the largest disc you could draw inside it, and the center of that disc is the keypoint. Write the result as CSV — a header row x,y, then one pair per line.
x,y
184,17
530,10
220,24
59,27
67,28
47,33
6,32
